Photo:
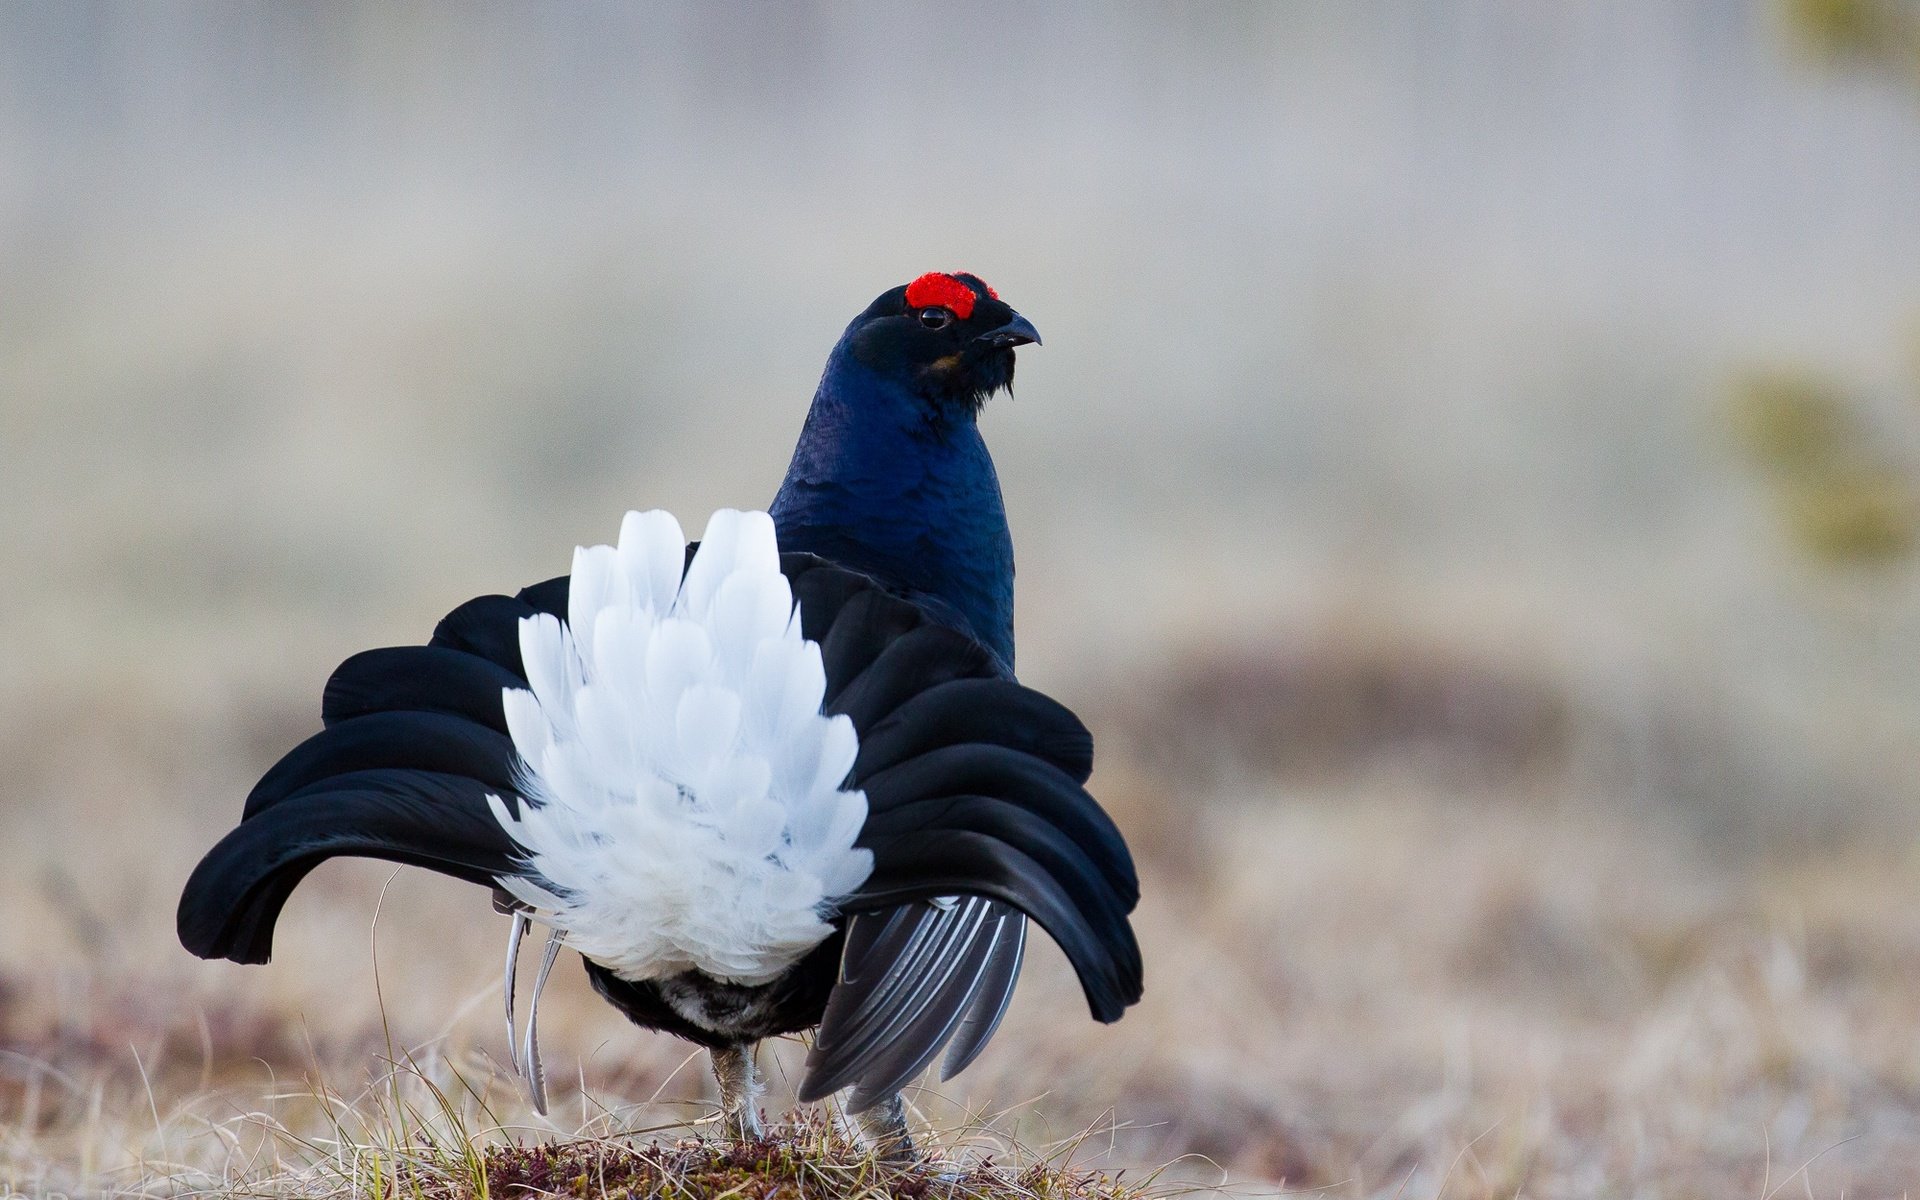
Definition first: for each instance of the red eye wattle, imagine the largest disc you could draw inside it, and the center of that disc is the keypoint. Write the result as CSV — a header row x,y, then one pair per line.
x,y
939,290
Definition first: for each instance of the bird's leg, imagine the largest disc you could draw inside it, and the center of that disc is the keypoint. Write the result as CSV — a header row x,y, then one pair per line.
x,y
739,1091
885,1126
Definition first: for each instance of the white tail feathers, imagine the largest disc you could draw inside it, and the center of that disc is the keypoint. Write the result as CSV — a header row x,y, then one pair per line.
x,y
685,809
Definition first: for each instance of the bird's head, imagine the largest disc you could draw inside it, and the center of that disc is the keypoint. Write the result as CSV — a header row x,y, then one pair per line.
x,y
948,338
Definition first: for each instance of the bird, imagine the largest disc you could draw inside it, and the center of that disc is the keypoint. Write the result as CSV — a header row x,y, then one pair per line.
x,y
779,780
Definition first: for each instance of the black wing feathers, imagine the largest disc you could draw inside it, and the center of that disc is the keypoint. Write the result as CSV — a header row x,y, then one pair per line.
x,y
418,679
821,590
1021,781
914,978
866,624
487,627
426,741
995,711
976,816
415,742
931,863
426,819
1065,863
550,596
923,969
924,658
990,1001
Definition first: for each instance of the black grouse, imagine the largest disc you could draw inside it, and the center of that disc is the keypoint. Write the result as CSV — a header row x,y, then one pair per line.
x,y
779,779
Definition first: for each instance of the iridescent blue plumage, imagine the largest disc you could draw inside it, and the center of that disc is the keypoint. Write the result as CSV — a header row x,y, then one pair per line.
x,y
889,481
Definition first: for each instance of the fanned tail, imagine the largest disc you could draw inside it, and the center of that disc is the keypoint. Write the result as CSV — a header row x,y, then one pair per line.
x,y
977,820
978,817
415,742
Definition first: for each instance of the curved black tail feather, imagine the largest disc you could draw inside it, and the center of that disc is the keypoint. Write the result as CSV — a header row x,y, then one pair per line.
x,y
426,819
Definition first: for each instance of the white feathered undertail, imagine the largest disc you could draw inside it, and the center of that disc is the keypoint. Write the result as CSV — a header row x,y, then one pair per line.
x,y
684,808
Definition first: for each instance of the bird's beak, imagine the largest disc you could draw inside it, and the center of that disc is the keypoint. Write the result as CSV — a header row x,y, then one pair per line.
x,y
1017,332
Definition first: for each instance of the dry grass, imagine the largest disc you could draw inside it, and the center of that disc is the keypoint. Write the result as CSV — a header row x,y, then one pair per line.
x,y
1379,991
425,1127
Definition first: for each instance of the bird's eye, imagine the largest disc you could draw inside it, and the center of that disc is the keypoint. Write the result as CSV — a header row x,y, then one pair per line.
x,y
936,317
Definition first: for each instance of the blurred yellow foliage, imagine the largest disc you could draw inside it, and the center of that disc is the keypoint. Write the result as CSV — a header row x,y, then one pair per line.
x,y
1881,30
1843,502
1864,516
1792,421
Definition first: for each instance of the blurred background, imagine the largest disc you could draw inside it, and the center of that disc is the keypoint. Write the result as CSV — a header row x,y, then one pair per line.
x,y
1471,486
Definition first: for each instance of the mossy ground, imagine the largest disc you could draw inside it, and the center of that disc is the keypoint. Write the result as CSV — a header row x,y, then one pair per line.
x,y
790,1164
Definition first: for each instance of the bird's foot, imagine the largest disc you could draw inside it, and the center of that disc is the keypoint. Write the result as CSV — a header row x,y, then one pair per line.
x,y
884,1126
739,1093
744,1125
